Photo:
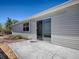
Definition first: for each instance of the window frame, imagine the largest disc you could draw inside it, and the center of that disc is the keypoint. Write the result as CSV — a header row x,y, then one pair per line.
x,y
26,26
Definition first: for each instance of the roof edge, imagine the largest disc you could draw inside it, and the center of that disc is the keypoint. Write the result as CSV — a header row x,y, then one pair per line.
x,y
51,10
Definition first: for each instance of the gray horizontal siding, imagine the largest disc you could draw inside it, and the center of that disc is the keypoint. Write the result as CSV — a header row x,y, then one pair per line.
x,y
65,27
18,30
66,23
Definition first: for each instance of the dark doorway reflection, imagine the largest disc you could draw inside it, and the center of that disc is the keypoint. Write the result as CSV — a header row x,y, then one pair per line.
x,y
39,29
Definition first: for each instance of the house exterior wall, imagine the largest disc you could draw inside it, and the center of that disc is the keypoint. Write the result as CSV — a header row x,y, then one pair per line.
x,y
64,27
18,30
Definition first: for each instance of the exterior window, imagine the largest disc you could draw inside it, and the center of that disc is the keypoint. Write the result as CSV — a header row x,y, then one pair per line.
x,y
26,26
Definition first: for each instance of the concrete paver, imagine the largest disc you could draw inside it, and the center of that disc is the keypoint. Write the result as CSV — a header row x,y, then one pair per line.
x,y
42,50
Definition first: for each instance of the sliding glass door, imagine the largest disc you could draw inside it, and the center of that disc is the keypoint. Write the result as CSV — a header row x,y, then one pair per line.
x,y
44,29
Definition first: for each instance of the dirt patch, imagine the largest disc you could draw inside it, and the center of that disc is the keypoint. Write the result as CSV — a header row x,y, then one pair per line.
x,y
5,39
14,37
10,41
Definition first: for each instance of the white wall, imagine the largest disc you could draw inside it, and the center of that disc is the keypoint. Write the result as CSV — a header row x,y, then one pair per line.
x,y
65,27
18,30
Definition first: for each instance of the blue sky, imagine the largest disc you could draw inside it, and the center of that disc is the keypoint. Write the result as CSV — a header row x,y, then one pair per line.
x,y
21,9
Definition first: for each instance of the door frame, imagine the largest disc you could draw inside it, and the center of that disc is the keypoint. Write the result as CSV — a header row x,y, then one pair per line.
x,y
42,34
